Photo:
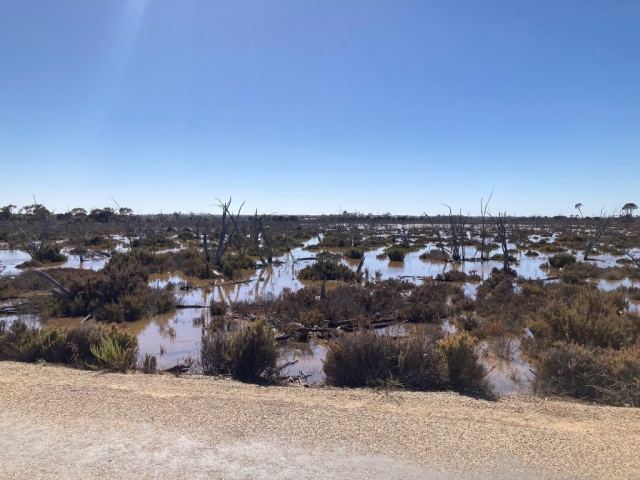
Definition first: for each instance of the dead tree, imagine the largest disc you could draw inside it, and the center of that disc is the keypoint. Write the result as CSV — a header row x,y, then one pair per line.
x,y
258,231
36,235
634,259
484,248
500,223
601,227
458,230
228,229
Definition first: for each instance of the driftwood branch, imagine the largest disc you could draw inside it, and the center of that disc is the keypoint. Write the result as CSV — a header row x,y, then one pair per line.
x,y
62,291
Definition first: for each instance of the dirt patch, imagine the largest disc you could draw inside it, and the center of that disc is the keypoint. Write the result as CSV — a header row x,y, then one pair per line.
x,y
59,422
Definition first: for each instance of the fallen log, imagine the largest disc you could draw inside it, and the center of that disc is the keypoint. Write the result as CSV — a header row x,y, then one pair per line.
x,y
288,364
62,290
230,283
180,368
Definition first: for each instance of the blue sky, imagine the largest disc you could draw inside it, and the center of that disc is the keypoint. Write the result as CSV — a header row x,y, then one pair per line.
x,y
320,106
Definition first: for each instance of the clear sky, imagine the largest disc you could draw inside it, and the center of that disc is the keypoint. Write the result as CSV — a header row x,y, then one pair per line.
x,y
318,106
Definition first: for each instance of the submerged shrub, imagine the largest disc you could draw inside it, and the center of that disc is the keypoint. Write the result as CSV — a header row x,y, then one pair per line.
x,y
249,353
193,263
49,254
326,268
217,308
396,254
233,262
366,359
149,363
119,292
428,302
464,368
561,260
354,253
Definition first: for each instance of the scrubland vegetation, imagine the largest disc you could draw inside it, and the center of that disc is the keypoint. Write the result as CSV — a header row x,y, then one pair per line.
x,y
580,341
86,346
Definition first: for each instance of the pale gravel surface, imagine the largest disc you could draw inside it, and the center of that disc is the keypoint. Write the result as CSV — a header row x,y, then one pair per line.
x,y
57,422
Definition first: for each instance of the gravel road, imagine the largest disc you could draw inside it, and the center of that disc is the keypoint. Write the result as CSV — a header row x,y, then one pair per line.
x,y
57,422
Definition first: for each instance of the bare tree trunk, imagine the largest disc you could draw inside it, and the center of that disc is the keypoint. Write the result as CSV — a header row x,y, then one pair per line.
x,y
601,228
501,226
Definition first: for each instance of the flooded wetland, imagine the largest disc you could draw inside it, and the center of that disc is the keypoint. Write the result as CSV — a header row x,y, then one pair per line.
x,y
424,305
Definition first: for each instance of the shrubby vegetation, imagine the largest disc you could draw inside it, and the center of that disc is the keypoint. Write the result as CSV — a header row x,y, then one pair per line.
x,y
585,344
327,268
119,292
86,346
561,260
247,353
366,359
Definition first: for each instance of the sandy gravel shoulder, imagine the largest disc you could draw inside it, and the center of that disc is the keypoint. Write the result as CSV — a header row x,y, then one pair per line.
x,y
57,422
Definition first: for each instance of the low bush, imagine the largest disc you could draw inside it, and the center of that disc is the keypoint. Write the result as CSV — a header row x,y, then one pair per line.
x,y
354,253
327,268
586,316
217,308
149,363
458,276
428,303
561,260
49,254
396,254
248,353
603,375
193,263
463,366
113,356
366,359
86,346
119,292
232,262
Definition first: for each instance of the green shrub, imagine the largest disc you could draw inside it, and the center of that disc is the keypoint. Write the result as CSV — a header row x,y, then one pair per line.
x,y
396,254
366,359
463,366
326,268
231,263
112,356
149,363
354,253
588,317
119,292
193,264
49,254
217,308
87,345
603,375
254,353
561,260
249,353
